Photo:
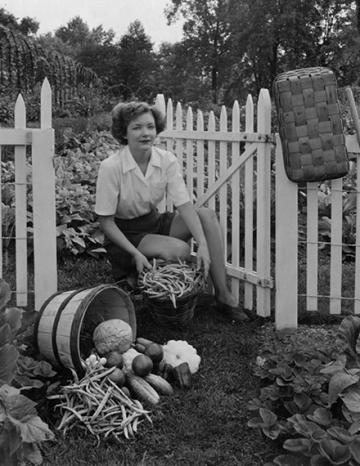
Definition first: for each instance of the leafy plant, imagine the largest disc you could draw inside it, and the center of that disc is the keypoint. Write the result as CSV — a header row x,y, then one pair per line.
x,y
21,429
310,401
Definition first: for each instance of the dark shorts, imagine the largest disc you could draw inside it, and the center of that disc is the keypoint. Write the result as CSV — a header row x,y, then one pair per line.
x,y
135,229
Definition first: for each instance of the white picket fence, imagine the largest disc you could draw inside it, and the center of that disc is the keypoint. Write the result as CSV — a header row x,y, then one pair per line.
x,y
42,181
228,166
287,246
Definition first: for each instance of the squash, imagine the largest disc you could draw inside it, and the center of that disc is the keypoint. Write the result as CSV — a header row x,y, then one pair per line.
x,y
112,335
161,385
142,389
178,351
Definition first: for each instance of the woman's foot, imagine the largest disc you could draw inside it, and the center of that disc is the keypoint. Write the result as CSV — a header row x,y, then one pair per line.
x,y
231,311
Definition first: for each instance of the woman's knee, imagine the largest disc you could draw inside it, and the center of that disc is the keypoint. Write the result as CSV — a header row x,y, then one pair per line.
x,y
177,250
207,215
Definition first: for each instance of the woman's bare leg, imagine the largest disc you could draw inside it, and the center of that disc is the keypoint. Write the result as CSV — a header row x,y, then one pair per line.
x,y
215,243
164,247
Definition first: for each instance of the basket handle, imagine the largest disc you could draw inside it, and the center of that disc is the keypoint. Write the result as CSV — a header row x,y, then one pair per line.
x,y
354,112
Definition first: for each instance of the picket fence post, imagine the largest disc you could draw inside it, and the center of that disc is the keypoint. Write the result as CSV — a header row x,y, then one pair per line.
x,y
286,240
263,203
249,206
21,210
44,207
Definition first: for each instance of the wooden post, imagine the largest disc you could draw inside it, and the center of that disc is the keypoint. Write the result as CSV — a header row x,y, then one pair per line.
x,y
286,238
249,207
263,203
44,208
21,209
235,201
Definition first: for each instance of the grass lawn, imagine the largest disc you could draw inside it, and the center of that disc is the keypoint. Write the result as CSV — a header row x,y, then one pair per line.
x,y
205,425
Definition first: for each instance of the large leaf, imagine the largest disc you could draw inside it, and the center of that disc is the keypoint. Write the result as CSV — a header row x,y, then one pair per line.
x,y
321,416
15,404
338,383
5,293
268,417
334,451
5,334
334,366
341,434
13,316
351,399
355,449
21,414
32,453
354,428
298,445
34,430
348,333
304,427
8,358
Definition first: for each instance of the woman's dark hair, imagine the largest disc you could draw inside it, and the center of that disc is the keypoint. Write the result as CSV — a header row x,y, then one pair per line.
x,y
123,113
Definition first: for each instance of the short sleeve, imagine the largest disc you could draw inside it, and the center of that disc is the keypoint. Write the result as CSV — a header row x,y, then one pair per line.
x,y
107,190
176,188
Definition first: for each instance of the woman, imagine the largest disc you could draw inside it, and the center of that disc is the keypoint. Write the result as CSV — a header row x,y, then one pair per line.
x,y
130,185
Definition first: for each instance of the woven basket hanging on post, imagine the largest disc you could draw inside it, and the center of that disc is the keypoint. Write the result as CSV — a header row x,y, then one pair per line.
x,y
310,125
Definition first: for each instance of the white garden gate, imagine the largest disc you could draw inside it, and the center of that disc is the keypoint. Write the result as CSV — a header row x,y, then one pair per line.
x,y
229,169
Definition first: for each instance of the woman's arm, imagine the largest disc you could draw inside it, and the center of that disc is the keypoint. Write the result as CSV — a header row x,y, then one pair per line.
x,y
116,236
192,221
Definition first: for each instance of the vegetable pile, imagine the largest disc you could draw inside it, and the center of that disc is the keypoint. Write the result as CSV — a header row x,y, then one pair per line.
x,y
123,379
173,281
99,406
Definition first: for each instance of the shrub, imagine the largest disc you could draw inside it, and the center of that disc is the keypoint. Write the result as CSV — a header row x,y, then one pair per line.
x,y
310,399
21,429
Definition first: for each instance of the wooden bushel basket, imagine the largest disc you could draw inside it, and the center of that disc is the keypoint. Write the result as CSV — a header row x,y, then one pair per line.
x,y
310,125
67,320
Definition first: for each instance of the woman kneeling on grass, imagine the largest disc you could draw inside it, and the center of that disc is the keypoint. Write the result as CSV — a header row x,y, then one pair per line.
x,y
130,185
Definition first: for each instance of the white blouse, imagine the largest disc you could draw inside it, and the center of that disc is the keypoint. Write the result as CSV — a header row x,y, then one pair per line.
x,y
124,191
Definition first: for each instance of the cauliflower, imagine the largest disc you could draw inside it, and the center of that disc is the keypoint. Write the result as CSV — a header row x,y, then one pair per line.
x,y
112,335
178,351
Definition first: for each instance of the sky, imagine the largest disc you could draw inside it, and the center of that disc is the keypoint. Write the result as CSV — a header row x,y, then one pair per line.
x,y
111,14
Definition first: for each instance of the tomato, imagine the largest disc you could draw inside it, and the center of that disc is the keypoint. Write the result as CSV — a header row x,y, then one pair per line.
x,y
155,352
142,365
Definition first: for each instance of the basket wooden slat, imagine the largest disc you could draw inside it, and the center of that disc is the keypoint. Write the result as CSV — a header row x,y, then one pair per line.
x,y
310,125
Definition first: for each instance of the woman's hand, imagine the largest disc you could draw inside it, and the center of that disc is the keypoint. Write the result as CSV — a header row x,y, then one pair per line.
x,y
141,262
203,258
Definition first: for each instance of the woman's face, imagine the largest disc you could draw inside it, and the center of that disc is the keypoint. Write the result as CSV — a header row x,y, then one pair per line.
x,y
141,132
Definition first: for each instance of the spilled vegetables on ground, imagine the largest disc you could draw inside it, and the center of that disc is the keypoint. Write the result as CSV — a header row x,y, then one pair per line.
x,y
123,380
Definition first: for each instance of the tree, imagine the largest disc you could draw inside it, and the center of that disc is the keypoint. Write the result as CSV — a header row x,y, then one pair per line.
x,y
207,37
243,44
134,64
26,25
75,33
